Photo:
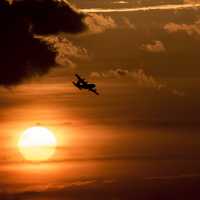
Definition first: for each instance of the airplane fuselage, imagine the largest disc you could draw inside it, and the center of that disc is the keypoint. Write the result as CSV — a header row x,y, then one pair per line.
x,y
84,86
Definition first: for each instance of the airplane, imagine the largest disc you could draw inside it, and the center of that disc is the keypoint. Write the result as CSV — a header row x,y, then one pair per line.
x,y
82,84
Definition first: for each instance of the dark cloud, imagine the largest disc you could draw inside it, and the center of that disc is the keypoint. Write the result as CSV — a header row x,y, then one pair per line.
x,y
24,55
49,16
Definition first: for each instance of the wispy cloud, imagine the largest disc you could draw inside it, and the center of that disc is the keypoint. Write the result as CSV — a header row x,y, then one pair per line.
x,y
190,29
173,177
191,1
66,50
120,2
55,188
154,47
141,79
98,23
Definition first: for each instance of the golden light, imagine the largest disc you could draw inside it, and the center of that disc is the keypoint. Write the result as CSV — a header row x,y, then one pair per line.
x,y
37,144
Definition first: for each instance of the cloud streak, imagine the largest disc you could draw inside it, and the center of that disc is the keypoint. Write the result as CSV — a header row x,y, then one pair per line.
x,y
148,8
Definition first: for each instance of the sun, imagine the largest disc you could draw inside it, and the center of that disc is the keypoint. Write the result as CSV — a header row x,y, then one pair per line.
x,y
37,144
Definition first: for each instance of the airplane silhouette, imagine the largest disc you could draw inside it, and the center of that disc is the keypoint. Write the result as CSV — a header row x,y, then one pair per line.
x,y
82,84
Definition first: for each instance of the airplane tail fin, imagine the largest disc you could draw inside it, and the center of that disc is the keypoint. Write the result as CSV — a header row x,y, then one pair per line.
x,y
95,91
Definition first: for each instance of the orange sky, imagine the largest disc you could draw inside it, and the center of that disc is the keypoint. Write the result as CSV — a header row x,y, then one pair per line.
x,y
140,134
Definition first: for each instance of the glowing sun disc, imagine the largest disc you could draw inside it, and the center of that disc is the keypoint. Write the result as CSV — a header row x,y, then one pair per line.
x,y
37,144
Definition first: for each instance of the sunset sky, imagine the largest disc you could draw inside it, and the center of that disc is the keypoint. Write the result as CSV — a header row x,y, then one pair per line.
x,y
140,138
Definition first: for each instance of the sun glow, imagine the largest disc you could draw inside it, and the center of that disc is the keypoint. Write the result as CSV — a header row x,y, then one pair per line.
x,y
37,144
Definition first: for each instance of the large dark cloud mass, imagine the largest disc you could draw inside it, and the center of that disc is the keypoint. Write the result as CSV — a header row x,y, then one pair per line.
x,y
22,55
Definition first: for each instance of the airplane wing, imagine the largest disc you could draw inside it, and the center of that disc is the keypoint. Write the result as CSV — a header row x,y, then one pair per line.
x,y
94,91
81,80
